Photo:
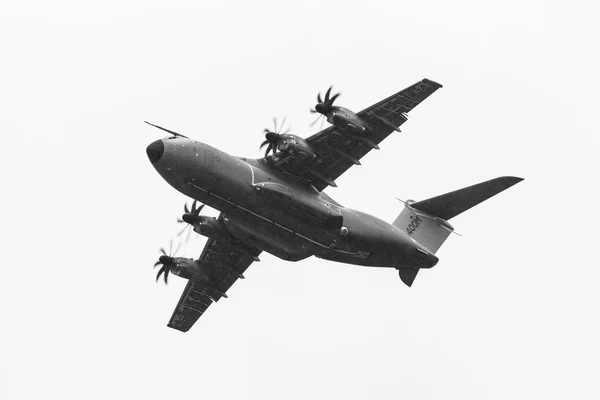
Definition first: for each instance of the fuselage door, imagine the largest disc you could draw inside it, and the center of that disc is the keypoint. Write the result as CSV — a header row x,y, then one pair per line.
x,y
209,158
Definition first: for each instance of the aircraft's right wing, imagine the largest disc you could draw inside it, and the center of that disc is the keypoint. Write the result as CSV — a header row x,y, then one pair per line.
x,y
229,262
338,148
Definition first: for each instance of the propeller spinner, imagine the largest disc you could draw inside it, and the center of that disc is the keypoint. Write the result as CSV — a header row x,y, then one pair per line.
x,y
167,261
273,138
190,217
324,106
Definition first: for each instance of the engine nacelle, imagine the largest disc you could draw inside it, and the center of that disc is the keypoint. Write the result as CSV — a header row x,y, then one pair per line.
x,y
345,118
293,144
188,268
211,227
215,228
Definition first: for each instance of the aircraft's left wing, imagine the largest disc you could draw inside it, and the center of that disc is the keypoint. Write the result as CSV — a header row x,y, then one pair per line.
x,y
229,263
338,149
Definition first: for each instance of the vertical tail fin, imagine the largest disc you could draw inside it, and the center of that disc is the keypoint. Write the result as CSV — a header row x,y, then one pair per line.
x,y
426,221
427,229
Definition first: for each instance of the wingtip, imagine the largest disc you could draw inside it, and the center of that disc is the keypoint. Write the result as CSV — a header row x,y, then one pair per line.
x,y
177,328
511,180
433,82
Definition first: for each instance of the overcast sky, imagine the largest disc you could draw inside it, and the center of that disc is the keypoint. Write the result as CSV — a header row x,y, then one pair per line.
x,y
510,311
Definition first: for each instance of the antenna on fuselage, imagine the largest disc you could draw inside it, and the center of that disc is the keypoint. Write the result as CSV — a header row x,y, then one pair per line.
x,y
167,130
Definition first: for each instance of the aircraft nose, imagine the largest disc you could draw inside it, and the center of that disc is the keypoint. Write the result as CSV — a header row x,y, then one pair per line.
x,y
155,151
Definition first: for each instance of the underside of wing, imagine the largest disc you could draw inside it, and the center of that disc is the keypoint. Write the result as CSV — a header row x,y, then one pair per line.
x,y
191,306
338,148
227,262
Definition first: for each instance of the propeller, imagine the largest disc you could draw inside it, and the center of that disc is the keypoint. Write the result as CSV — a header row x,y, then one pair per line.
x,y
320,117
273,138
167,261
325,106
190,217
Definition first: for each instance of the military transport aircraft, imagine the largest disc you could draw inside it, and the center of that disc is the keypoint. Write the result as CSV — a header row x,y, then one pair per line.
x,y
277,203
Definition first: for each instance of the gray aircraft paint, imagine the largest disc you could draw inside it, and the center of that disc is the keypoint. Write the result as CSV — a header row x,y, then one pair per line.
x,y
283,217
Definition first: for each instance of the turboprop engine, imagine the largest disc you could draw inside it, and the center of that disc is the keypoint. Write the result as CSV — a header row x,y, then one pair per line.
x,y
340,117
187,268
293,144
183,267
204,225
285,142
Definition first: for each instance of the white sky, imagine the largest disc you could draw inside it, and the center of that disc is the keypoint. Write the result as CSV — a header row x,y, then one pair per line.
x,y
509,312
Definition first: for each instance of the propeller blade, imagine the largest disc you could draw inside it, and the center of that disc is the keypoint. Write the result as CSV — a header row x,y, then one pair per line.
x,y
313,111
268,149
275,124
156,264
185,208
177,249
319,98
315,121
163,251
199,209
166,274
333,98
266,142
183,230
327,94
287,131
160,271
282,123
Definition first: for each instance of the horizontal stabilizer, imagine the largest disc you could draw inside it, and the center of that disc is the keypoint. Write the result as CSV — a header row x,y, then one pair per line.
x,y
451,204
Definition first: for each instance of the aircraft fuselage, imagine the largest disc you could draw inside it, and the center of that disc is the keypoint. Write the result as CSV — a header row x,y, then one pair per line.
x,y
274,212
